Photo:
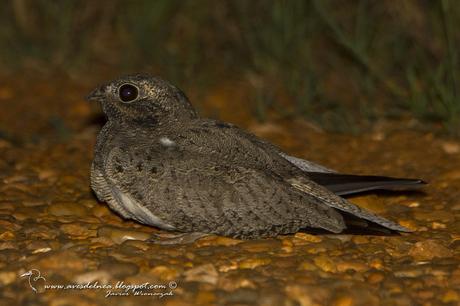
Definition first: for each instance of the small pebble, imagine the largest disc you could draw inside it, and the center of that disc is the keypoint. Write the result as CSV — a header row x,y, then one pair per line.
x,y
101,211
98,275
77,229
7,277
451,296
429,249
375,278
7,235
119,235
350,265
205,274
451,147
343,301
67,209
252,263
165,273
118,269
325,263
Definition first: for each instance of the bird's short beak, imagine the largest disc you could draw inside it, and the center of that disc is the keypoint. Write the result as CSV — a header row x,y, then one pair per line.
x,y
97,94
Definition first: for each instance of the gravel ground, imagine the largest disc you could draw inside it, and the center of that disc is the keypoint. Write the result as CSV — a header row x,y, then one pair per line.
x,y
51,223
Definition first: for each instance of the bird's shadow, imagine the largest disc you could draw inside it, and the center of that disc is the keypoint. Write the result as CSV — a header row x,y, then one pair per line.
x,y
416,192
352,231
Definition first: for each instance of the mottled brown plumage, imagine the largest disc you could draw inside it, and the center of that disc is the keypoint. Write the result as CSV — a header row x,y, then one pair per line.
x,y
157,162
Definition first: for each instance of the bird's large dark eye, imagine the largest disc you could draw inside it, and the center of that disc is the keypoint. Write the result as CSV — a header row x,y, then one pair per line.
x,y
128,92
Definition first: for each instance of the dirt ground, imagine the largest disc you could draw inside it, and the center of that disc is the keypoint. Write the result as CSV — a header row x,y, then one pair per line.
x,y
50,220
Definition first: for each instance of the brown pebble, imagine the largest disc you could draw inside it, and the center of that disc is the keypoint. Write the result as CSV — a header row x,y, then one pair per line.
x,y
165,273
260,246
438,225
33,203
38,246
12,180
41,250
9,225
216,240
410,224
100,242
3,143
375,278
7,207
65,260
325,263
101,210
425,294
7,235
308,237
231,283
78,230
67,209
7,277
308,266
304,296
88,203
228,267
450,147
252,263
8,245
351,265
287,248
428,249
205,298
47,174
206,273
119,235
20,216
410,272
451,175
40,232
99,275
438,216
370,202
118,269
343,301
376,263
360,239
144,246
451,296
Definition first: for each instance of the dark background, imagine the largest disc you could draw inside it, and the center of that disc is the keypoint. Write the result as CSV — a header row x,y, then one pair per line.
x,y
342,65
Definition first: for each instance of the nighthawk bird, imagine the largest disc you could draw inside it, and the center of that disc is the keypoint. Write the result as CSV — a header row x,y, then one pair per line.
x,y
157,162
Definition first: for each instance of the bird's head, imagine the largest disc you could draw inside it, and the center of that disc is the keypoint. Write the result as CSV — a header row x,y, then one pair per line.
x,y
143,99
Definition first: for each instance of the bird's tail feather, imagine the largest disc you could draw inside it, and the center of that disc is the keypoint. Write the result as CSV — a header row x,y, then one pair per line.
x,y
347,184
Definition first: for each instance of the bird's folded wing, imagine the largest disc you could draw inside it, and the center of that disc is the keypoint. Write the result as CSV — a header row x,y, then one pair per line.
x,y
196,193
242,148
335,201
306,165
227,141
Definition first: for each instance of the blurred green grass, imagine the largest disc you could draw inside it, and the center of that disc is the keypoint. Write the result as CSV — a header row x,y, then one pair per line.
x,y
341,64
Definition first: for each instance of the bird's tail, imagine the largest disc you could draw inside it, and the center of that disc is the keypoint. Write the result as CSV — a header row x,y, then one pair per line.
x,y
347,184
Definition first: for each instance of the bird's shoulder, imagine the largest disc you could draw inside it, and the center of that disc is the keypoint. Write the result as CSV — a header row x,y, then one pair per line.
x,y
224,135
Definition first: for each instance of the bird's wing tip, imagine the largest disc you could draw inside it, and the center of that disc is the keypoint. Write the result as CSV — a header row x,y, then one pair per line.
x,y
415,181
